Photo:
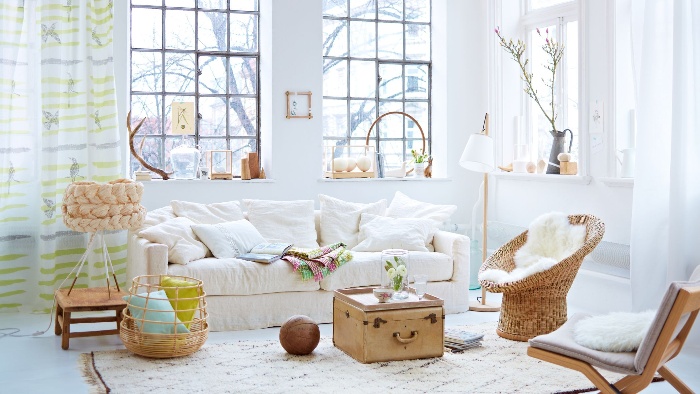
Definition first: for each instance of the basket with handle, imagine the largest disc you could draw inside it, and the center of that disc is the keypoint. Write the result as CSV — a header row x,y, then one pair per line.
x,y
369,132
165,345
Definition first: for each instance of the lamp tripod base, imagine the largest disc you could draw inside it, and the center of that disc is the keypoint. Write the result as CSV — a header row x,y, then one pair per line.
x,y
480,305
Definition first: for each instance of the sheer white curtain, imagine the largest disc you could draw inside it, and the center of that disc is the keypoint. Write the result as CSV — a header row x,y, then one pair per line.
x,y
58,124
666,203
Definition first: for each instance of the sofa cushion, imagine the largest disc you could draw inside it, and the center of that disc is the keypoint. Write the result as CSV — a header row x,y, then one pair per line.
x,y
240,277
378,233
284,221
208,213
365,268
156,216
340,220
229,239
403,206
177,235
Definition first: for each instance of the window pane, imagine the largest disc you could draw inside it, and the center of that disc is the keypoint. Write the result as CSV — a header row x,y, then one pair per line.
x,y
212,31
417,42
212,79
390,126
146,106
335,38
418,10
243,75
362,114
390,41
417,82
244,33
212,4
391,85
242,115
146,71
363,39
419,110
147,2
151,152
365,9
338,8
179,29
542,139
335,118
207,144
363,78
213,121
240,147
335,78
179,3
244,5
414,144
146,28
537,4
393,153
179,72
390,10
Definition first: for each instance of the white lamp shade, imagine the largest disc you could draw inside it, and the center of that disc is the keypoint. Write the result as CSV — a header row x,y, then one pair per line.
x,y
478,154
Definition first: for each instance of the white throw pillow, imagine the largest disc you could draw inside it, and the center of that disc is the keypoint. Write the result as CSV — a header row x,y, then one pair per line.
x,y
208,213
340,220
613,332
403,206
284,221
379,232
229,239
156,216
177,235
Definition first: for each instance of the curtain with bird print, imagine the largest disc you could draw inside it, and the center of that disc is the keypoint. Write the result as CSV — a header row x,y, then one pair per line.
x,y
58,125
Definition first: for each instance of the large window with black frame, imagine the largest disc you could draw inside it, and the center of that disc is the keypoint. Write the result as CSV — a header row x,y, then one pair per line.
x,y
377,59
200,51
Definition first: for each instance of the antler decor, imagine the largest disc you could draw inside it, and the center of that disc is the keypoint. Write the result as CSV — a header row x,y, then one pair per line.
x,y
143,162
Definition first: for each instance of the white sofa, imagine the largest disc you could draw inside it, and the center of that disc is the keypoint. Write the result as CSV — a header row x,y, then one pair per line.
x,y
247,295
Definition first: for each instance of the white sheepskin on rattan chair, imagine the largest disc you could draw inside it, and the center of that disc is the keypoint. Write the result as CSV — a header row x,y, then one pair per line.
x,y
550,239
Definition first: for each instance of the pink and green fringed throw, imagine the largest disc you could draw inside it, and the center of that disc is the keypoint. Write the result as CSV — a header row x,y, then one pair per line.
x,y
319,262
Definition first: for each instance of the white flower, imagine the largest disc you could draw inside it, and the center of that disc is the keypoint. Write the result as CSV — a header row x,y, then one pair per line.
x,y
391,272
402,270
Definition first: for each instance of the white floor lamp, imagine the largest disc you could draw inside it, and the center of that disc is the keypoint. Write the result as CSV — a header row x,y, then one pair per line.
x,y
478,156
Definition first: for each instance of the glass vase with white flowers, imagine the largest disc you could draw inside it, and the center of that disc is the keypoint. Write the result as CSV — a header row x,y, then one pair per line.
x,y
395,272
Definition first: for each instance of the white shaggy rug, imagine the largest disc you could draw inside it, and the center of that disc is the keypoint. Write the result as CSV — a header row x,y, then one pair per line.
x,y
262,366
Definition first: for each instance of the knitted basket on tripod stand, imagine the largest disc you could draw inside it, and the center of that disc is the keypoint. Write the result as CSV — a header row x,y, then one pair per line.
x,y
159,345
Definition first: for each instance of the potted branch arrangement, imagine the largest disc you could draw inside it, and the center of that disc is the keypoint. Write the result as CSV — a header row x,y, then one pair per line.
x,y
555,52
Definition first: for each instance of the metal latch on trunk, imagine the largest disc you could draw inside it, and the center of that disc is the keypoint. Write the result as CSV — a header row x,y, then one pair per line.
x,y
432,317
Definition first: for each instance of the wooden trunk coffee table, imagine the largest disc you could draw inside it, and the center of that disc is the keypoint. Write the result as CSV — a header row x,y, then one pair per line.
x,y
87,300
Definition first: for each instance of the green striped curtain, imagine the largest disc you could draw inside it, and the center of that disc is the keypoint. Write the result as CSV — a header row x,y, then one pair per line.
x,y
58,124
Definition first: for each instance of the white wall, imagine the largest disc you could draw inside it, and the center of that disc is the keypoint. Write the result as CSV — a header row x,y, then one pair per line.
x,y
291,59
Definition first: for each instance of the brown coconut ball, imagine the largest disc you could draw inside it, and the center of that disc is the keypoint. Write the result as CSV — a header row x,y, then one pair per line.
x,y
299,335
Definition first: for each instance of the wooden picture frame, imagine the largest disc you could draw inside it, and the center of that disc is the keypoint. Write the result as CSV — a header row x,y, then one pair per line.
x,y
298,106
220,164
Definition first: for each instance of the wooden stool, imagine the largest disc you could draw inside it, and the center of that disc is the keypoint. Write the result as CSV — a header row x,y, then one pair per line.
x,y
86,300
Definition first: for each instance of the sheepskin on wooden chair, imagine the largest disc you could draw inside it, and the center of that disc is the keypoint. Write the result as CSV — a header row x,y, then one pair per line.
x,y
535,270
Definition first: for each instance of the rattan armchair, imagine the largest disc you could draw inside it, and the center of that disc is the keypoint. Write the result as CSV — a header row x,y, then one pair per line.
x,y
536,305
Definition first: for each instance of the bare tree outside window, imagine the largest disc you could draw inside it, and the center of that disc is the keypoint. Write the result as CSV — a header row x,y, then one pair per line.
x,y
377,59
203,51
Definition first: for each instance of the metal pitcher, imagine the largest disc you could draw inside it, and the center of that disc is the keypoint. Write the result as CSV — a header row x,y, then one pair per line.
x,y
558,145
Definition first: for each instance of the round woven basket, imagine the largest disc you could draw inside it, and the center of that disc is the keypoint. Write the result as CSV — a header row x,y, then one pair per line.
x,y
156,345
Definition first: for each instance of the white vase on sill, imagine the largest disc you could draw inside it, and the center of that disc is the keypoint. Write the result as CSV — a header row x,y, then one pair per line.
x,y
419,170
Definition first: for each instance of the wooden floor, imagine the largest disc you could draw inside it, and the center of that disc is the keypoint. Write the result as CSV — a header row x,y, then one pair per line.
x,y
39,365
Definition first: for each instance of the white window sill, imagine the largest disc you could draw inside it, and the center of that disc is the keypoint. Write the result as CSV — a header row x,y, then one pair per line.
x,y
554,178
617,182
201,181
405,179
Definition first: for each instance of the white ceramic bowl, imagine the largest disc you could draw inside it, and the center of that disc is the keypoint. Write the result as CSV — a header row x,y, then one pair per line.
x,y
383,295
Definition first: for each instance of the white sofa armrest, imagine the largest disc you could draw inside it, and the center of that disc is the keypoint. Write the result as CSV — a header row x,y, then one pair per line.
x,y
145,258
456,246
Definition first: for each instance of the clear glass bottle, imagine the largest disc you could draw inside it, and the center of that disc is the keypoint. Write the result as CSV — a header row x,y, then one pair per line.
x,y
394,272
185,161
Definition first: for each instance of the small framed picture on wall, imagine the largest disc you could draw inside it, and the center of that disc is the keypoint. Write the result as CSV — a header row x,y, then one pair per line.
x,y
299,105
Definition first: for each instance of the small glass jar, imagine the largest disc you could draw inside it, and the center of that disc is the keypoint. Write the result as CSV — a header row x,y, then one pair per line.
x,y
394,272
185,162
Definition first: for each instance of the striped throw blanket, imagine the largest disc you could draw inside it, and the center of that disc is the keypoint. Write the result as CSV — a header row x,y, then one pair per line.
x,y
318,263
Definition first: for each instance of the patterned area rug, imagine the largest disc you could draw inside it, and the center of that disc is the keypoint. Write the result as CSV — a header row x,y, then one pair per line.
x,y
262,366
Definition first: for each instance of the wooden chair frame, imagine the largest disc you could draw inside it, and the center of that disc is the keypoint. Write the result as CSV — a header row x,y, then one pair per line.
x,y
666,348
